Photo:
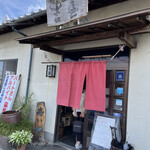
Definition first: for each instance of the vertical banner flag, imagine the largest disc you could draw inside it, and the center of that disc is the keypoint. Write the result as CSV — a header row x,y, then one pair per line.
x,y
8,92
62,11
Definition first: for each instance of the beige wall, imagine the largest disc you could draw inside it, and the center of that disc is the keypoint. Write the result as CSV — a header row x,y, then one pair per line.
x,y
10,49
138,121
43,88
119,9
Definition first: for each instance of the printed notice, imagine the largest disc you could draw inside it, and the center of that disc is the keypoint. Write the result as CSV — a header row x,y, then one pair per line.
x,y
102,132
118,102
8,92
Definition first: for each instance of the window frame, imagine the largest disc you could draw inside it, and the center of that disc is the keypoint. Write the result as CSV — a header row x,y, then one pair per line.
x,y
5,61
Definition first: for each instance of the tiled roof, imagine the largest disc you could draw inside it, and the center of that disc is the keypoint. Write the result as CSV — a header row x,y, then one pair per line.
x,y
24,21
25,16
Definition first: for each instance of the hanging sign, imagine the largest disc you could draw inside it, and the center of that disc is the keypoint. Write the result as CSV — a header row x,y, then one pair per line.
x,y
8,92
62,11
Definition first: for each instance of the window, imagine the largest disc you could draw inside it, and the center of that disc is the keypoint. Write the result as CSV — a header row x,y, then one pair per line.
x,y
7,67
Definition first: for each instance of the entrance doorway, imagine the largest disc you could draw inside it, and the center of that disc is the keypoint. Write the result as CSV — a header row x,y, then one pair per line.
x,y
116,104
116,95
65,134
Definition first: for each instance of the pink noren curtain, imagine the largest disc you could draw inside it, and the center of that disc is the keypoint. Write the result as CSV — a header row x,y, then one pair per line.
x,y
78,77
70,84
64,83
96,86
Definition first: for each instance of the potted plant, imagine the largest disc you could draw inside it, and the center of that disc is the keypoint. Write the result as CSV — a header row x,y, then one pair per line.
x,y
21,139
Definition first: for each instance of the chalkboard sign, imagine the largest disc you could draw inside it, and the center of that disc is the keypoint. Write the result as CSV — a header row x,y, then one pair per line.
x,y
101,136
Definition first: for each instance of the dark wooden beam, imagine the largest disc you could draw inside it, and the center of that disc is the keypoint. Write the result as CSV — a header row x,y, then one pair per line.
x,y
141,31
121,24
96,29
75,33
127,39
142,20
48,49
83,38
102,22
113,25
117,24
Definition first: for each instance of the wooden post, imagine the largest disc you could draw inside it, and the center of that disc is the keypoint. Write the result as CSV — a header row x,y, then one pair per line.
x,y
127,39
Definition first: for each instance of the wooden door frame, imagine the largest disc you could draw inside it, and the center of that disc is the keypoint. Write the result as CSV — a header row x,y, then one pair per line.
x,y
86,121
111,96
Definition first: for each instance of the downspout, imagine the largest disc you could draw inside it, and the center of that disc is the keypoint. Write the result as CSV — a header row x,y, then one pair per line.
x,y
30,63
29,73
19,32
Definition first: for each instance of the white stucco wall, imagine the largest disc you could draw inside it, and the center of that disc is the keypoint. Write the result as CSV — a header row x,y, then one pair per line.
x,y
43,88
10,49
138,121
119,9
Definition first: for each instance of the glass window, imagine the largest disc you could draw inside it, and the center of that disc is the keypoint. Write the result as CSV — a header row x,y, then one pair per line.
x,y
7,67
118,104
1,71
120,75
119,90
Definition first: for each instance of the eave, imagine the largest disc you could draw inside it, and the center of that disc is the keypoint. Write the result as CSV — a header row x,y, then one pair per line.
x,y
121,26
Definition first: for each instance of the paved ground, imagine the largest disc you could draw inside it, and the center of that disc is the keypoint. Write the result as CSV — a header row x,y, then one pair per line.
x,y
42,146
48,147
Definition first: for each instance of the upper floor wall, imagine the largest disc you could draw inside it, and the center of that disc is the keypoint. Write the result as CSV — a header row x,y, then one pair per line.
x,y
98,14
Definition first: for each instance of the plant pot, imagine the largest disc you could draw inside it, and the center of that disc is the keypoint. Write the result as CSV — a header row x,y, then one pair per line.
x,y
23,147
11,116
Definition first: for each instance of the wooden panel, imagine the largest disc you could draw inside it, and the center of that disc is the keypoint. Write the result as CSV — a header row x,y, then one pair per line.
x,y
39,119
128,39
48,49
111,85
95,4
128,20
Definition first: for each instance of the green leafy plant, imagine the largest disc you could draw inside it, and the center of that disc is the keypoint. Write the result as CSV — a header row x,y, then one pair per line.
x,y
25,102
6,128
21,137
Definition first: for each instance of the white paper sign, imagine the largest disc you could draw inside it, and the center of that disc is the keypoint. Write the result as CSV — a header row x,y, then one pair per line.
x,y
8,92
62,11
102,132
118,102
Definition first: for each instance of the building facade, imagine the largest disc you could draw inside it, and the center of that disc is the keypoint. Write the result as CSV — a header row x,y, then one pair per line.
x,y
137,131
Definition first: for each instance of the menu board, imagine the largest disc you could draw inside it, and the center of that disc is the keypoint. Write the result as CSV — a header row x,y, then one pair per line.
x,y
102,132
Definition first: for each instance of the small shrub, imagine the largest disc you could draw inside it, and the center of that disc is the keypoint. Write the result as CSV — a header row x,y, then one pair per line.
x,y
20,137
26,107
6,129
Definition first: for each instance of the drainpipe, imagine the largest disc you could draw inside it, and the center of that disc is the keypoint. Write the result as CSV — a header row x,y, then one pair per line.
x,y
29,73
30,63
19,32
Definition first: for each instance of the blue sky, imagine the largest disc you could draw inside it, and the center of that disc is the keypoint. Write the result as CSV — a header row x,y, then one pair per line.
x,y
16,8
